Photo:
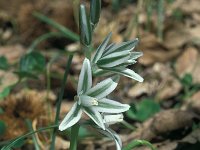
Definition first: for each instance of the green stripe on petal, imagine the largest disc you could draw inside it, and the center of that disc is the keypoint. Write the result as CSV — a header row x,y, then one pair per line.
x,y
135,55
114,59
85,27
85,78
131,74
95,116
113,135
110,106
116,138
71,118
101,48
103,88
130,45
126,72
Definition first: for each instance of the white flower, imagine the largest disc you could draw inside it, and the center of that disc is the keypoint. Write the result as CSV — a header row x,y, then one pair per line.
x,y
110,119
92,100
115,58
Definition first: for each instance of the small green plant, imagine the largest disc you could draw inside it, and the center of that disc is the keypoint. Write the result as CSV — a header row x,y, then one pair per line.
x,y
143,110
109,60
189,88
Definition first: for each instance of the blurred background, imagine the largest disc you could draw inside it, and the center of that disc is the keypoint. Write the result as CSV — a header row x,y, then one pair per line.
x,y
165,108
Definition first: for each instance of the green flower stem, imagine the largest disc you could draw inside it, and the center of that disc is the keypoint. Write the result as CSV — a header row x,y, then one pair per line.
x,y
48,82
60,99
74,137
136,143
128,125
87,51
13,142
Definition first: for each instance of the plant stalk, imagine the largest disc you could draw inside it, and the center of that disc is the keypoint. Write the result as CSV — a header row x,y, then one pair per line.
x,y
60,99
74,137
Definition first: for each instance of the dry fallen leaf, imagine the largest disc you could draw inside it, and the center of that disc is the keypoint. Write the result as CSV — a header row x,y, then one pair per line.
x,y
154,51
7,79
159,81
18,107
163,122
13,52
189,62
61,144
194,103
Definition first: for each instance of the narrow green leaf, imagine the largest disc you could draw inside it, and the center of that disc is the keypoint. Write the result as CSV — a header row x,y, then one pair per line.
x,y
19,140
101,48
68,33
85,28
29,124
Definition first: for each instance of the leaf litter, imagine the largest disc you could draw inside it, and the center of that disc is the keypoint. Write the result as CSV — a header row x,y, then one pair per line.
x,y
164,64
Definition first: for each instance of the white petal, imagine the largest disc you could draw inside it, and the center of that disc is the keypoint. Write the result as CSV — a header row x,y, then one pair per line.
x,y
114,59
101,48
103,88
116,138
85,78
95,116
111,134
111,106
131,74
71,118
135,55
129,45
112,118
127,72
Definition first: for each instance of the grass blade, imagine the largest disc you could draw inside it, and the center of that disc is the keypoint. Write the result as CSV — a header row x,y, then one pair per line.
x,y
68,33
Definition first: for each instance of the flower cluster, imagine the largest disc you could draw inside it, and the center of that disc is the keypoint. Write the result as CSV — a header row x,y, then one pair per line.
x,y
112,60
115,58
